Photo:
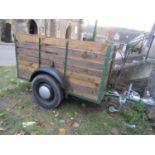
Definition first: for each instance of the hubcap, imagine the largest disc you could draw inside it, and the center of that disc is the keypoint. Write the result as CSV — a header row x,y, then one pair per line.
x,y
44,92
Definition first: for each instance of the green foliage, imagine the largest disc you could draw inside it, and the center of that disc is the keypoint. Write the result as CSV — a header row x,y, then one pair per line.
x,y
134,114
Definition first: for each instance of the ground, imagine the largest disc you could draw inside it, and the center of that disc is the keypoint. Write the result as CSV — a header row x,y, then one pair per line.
x,y
73,116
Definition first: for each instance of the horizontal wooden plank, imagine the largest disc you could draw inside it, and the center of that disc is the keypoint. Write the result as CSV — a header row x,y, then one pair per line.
x,y
72,60
61,57
76,87
87,45
60,65
87,79
73,68
28,51
84,54
83,57
83,63
77,82
27,38
54,42
27,58
28,64
47,54
79,69
31,52
28,46
75,60
73,44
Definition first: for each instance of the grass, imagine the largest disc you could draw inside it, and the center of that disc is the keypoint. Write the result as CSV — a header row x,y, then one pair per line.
x,y
73,116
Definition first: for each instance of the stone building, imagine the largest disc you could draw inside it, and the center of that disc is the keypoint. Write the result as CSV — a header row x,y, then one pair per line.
x,y
59,28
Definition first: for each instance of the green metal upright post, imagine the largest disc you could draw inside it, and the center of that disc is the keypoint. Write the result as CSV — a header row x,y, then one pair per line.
x,y
111,65
16,52
39,57
66,58
104,71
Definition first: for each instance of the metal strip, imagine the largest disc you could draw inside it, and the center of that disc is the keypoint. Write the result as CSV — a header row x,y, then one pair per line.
x,y
66,56
16,52
24,79
39,53
82,97
105,67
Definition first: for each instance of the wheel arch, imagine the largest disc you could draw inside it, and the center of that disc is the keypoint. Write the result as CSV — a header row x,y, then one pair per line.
x,y
51,72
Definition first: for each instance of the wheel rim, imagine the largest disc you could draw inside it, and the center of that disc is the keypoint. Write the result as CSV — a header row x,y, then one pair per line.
x,y
45,92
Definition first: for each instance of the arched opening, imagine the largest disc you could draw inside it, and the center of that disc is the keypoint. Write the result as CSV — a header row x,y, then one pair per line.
x,y
6,33
68,32
33,29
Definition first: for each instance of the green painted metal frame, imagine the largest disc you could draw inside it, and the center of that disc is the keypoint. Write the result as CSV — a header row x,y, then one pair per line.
x,y
104,72
100,97
116,97
111,66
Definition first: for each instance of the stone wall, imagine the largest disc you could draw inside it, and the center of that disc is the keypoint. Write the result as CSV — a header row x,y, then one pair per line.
x,y
61,26
49,27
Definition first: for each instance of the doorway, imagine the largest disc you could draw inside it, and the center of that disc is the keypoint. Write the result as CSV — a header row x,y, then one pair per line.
x,y
33,29
6,33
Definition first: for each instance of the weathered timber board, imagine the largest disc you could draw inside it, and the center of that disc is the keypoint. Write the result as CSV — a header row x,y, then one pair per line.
x,y
54,42
73,68
73,56
72,59
28,46
28,52
76,60
27,58
83,54
85,78
74,85
77,88
28,64
27,38
87,45
94,81
73,44
60,65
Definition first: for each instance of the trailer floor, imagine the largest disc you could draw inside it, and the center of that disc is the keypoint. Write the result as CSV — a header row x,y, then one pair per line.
x,y
72,117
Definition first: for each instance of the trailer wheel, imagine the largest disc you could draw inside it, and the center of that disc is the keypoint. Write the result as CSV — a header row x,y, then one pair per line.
x,y
46,91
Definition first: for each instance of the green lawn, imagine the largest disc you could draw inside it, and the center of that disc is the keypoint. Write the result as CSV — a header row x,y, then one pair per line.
x,y
73,116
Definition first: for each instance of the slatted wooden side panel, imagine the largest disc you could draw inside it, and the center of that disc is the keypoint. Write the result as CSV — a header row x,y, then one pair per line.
x,y
89,56
27,59
84,66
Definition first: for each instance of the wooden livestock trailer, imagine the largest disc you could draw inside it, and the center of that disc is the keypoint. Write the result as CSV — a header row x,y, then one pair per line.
x,y
61,67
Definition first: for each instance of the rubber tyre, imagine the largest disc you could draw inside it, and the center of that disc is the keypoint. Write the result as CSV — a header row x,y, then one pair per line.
x,y
56,90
